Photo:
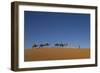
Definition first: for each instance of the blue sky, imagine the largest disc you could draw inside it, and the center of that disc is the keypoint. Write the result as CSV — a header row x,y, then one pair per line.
x,y
56,27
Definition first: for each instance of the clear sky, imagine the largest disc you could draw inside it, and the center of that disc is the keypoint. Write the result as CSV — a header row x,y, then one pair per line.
x,y
56,27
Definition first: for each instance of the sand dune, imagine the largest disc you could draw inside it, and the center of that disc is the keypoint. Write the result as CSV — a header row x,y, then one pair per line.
x,y
38,54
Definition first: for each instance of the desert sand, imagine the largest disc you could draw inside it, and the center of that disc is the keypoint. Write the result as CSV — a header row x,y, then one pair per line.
x,y
39,54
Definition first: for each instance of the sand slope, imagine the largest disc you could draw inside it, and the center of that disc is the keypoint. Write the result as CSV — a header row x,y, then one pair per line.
x,y
35,54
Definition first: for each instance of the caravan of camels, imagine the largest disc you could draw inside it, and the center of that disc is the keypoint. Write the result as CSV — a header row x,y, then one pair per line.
x,y
61,45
